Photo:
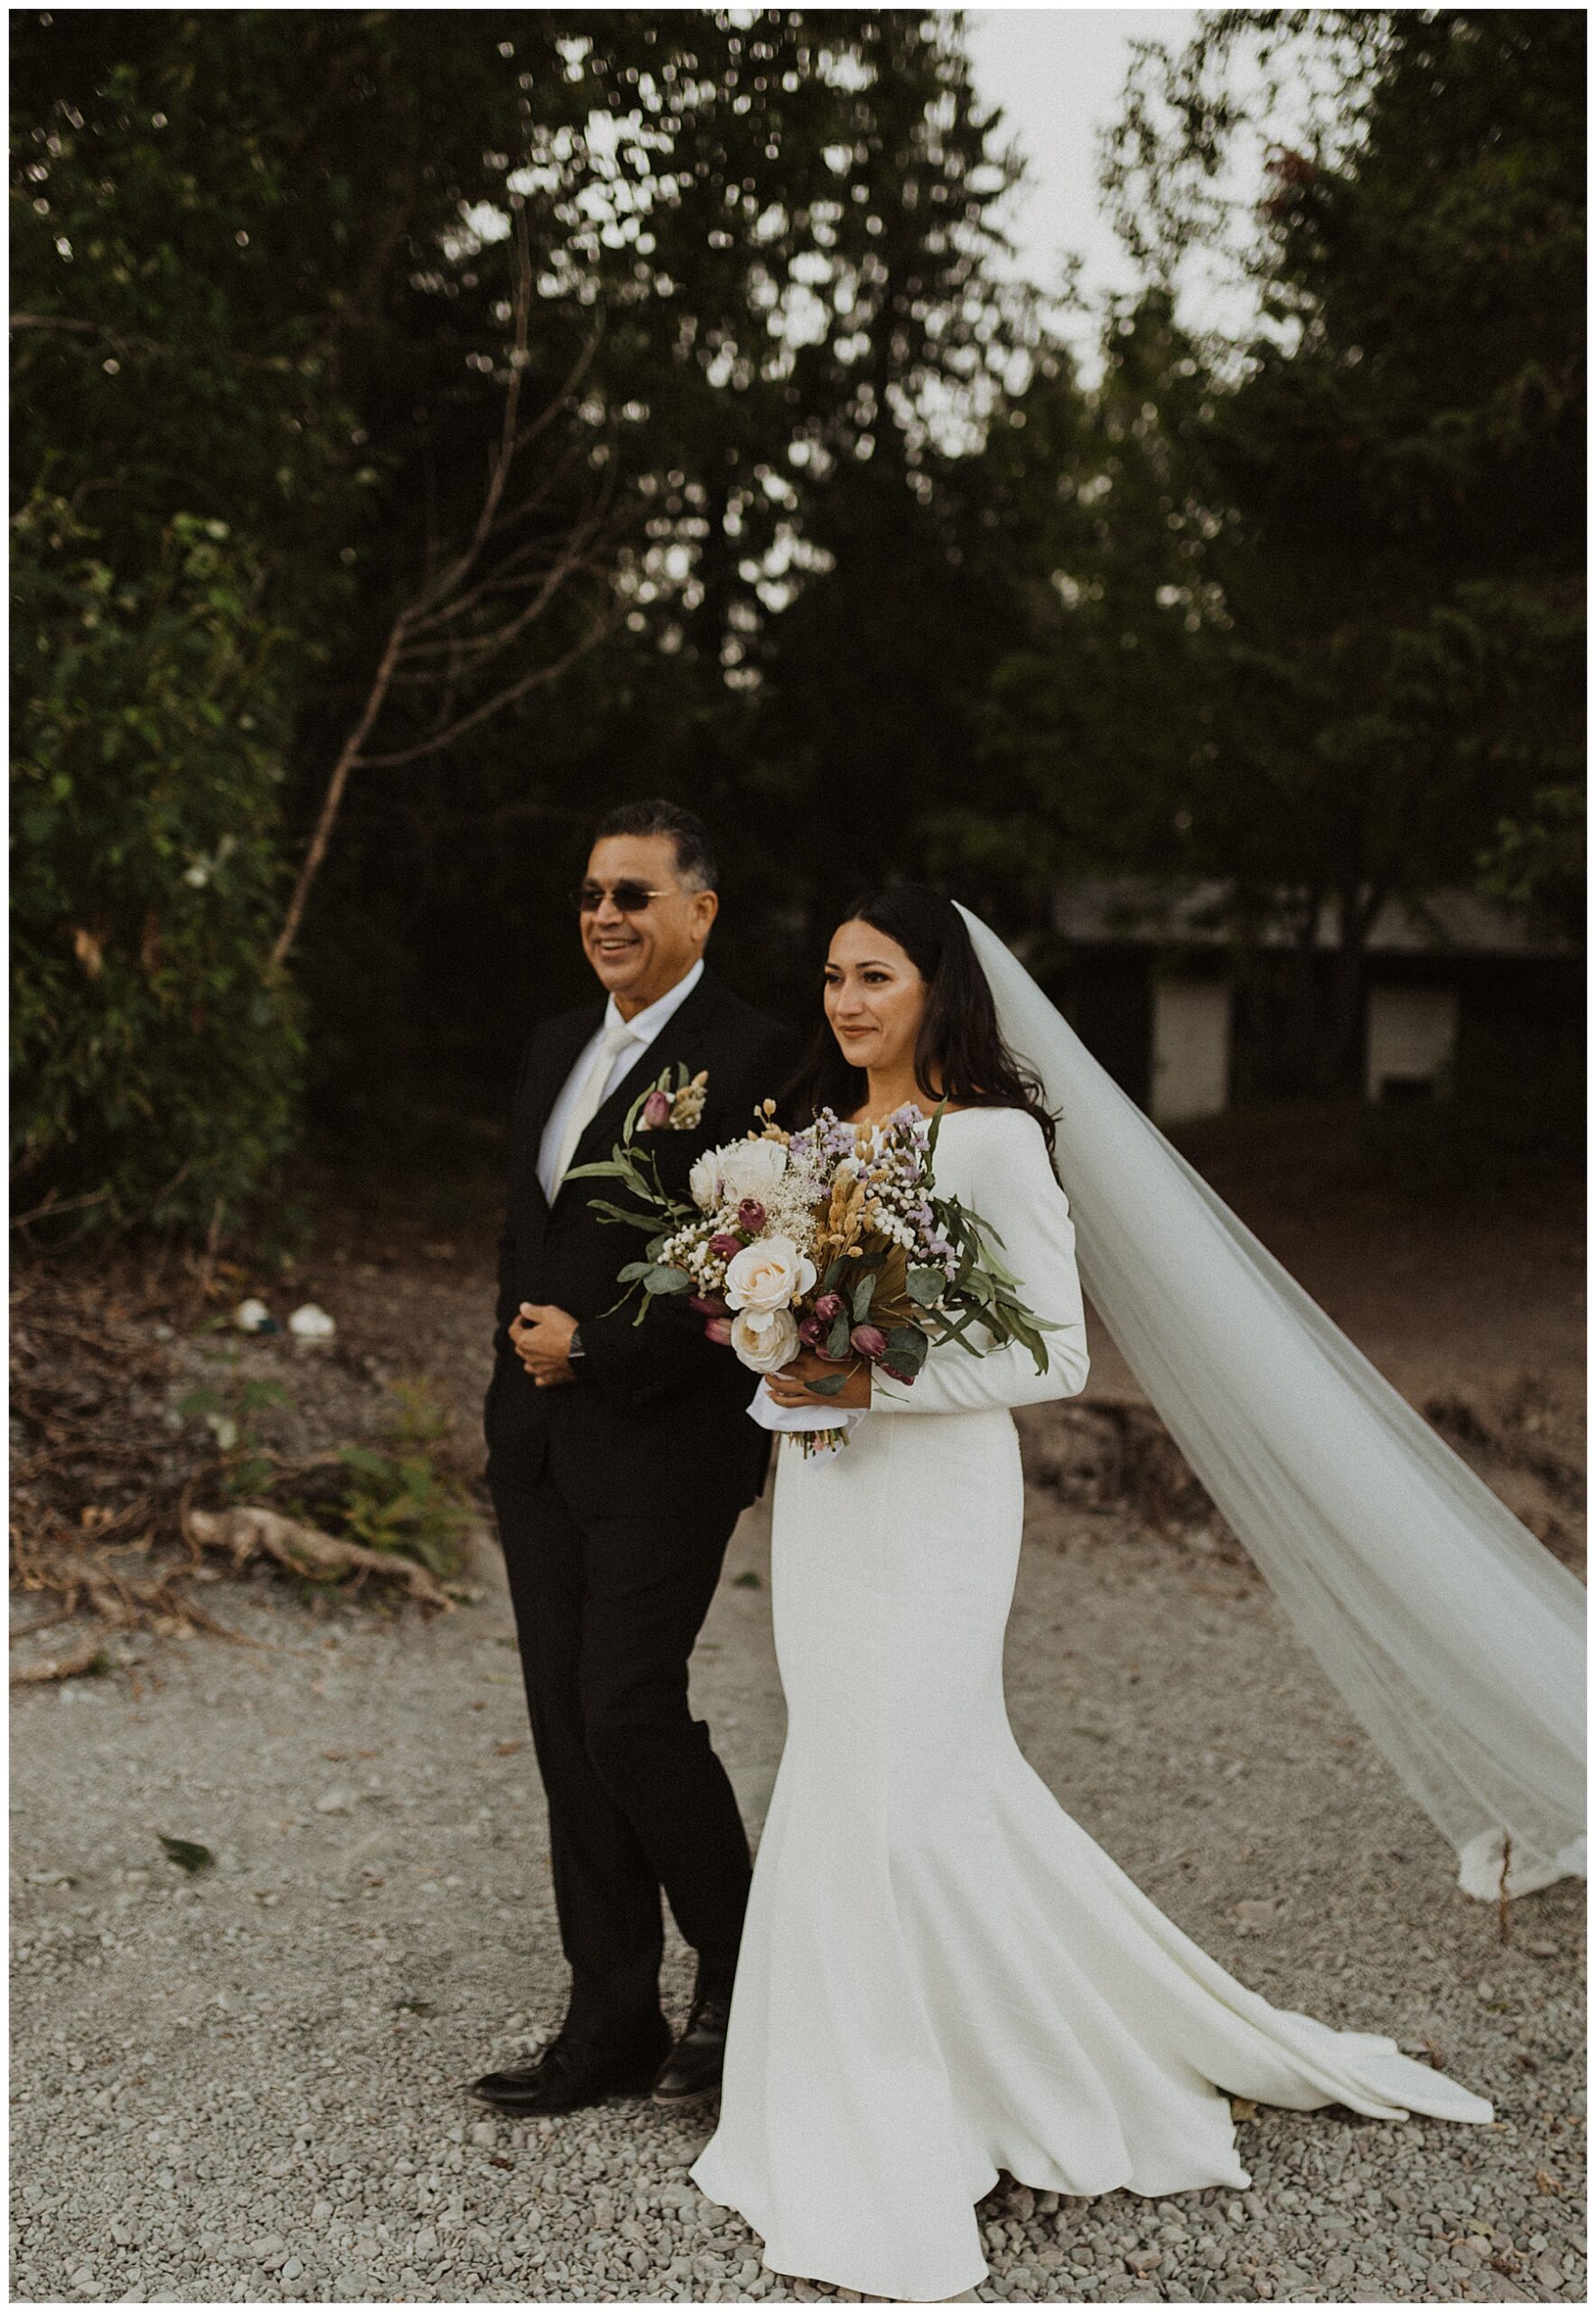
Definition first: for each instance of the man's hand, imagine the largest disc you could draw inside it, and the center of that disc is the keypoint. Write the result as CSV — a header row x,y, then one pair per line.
x,y
791,1386
540,1338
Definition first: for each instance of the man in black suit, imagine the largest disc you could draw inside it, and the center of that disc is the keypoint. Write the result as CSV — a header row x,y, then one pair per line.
x,y
620,1457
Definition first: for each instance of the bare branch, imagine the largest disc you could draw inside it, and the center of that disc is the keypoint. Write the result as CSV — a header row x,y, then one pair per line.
x,y
349,755
494,639
455,627
540,676
65,326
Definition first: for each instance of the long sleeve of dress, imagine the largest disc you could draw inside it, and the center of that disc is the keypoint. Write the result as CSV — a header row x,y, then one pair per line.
x,y
997,1163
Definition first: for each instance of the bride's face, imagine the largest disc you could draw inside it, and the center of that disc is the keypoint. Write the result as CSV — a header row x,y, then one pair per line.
x,y
875,999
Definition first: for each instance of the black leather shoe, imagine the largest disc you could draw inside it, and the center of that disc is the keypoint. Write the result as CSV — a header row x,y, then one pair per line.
x,y
692,2070
564,2077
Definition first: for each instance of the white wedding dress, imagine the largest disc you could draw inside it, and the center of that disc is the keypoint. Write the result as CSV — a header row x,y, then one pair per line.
x,y
941,1974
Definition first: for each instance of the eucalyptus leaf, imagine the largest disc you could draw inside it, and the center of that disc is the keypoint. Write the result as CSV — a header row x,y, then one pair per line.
x,y
828,1386
907,1347
618,1212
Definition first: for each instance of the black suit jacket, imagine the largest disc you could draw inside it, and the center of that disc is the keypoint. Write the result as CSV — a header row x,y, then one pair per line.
x,y
659,1418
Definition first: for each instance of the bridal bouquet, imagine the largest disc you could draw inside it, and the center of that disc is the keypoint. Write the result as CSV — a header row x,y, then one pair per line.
x,y
833,1239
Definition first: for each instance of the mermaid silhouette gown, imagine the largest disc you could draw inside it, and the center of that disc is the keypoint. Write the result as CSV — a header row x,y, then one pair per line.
x,y
942,1974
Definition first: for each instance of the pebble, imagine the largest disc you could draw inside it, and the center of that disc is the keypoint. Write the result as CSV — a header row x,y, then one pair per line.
x,y
253,2092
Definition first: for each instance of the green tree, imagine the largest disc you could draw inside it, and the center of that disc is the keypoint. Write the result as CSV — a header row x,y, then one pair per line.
x,y
1343,560
155,1061
266,269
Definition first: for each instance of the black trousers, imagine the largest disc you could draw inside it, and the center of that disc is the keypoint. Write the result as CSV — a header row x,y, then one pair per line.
x,y
607,1612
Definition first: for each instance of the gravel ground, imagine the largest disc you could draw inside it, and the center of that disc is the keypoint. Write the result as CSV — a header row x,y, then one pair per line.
x,y
245,2085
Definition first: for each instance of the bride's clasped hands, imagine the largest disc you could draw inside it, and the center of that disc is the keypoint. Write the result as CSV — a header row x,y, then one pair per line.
x,y
793,1387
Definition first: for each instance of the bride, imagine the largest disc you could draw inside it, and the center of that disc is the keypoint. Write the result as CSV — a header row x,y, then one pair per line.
x,y
942,1975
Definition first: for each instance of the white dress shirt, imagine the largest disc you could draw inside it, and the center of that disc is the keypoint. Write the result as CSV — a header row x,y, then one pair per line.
x,y
640,1032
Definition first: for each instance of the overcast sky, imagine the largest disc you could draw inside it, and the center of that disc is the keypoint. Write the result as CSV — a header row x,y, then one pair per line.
x,y
1059,74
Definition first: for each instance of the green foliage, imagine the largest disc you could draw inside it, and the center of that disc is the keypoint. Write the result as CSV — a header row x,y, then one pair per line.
x,y
1302,613
261,276
402,1500
155,1060
232,1416
1315,624
1538,862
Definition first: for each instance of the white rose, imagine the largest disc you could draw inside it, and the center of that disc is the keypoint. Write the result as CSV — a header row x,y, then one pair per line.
x,y
751,1167
768,1274
704,1181
765,1342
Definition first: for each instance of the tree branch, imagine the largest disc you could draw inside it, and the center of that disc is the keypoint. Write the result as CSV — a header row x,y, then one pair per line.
x,y
495,705
445,598
349,755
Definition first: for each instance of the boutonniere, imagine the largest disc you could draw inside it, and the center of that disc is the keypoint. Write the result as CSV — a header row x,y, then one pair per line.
x,y
675,1101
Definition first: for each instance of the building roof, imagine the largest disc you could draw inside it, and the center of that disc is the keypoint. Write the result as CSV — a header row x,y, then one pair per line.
x,y
1129,911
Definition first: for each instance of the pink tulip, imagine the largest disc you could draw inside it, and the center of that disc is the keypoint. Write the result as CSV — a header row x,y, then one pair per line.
x,y
750,1216
724,1246
868,1341
829,1307
812,1332
719,1330
656,1111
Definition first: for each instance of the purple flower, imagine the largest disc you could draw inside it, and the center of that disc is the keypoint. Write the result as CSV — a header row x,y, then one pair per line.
x,y
750,1214
829,1307
812,1332
724,1246
719,1330
707,1304
656,1111
868,1341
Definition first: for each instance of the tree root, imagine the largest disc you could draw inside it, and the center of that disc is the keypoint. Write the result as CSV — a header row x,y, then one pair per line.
x,y
248,1533
87,1662
49,1562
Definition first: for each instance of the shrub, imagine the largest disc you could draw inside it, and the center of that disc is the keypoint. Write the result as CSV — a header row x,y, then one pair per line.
x,y
402,1499
155,1058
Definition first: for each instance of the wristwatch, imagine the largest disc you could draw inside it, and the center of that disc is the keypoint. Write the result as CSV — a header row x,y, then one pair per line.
x,y
574,1351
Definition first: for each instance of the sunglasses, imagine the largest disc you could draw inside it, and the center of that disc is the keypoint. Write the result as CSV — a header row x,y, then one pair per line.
x,y
630,896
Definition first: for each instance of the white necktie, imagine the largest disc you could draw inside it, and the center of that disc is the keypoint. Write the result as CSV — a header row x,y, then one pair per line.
x,y
616,1040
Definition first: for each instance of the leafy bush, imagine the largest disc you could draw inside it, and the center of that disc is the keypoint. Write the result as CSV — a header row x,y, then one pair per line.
x,y
402,1500
155,1056
231,1415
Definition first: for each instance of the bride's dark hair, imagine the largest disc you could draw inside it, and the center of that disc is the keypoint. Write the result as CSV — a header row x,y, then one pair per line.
x,y
960,1046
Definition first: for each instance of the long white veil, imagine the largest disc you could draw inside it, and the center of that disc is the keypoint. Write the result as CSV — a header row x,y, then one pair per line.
x,y
1451,1632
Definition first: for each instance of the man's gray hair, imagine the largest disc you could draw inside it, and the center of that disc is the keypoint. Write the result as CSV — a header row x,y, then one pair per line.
x,y
695,860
